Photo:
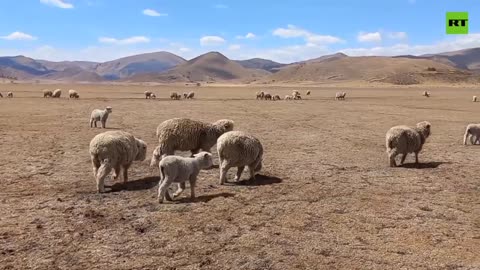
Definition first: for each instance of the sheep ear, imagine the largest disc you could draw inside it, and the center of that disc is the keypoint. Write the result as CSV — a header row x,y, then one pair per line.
x,y
205,155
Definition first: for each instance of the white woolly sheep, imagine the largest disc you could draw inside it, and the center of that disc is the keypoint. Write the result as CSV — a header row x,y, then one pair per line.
x,y
404,140
474,99
153,96
308,93
185,95
100,115
340,95
175,95
73,94
183,134
260,95
148,94
297,97
267,96
472,131
57,93
47,93
176,169
1,96
190,95
239,149
276,97
288,97
426,94
114,150
295,93
9,95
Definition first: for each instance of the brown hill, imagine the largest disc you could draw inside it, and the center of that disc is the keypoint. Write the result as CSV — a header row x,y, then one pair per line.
x,y
75,74
384,69
210,67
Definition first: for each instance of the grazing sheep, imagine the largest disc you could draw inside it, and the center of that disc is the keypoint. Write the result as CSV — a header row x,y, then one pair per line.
x,y
9,95
308,93
1,96
100,115
404,140
183,134
295,93
426,94
190,95
148,94
239,149
175,95
340,95
47,93
153,96
267,96
288,97
260,95
176,169
472,130
185,95
57,93
276,97
474,99
297,97
114,150
73,94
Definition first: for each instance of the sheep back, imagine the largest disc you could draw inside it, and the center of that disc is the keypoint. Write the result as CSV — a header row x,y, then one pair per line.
x,y
118,147
240,149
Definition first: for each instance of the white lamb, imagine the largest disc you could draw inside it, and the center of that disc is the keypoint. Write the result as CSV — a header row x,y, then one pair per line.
x,y
472,131
176,169
100,115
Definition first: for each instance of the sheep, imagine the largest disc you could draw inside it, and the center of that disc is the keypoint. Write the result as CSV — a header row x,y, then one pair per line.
x,y
426,94
47,93
184,134
474,99
297,97
340,95
404,140
153,96
260,95
239,149
267,96
174,95
276,97
57,93
190,95
1,96
148,94
176,169
9,95
185,95
100,115
295,93
288,97
73,94
308,93
114,150
472,130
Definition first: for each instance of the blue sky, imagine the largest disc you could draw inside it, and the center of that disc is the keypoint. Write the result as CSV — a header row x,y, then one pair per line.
x,y
285,31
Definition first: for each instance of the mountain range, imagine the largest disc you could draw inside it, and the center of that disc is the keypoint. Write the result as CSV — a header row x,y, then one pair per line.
x,y
215,67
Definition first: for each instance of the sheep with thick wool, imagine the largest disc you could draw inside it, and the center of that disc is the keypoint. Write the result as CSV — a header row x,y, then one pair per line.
x,y
239,149
148,94
176,169
260,95
73,94
175,95
472,131
114,150
190,95
47,93
404,140
100,115
9,95
184,134
57,93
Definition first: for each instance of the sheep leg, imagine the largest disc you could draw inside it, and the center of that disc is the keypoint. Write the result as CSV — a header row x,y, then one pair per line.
x,y
163,188
403,158
224,167
239,173
96,165
103,123
103,171
465,137
116,172
125,173
181,188
416,158
251,169
193,181
391,156
95,123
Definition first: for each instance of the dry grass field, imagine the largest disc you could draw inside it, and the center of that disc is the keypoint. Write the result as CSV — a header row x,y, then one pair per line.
x,y
325,199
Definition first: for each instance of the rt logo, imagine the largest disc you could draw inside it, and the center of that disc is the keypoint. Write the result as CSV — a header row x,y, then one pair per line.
x,y
457,22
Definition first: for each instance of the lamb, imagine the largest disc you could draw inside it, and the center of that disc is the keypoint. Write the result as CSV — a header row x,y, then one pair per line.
x,y
404,140
100,115
474,99
148,94
73,94
174,95
9,95
472,130
190,95
239,149
340,95
57,93
47,93
276,97
260,95
114,150
267,96
176,169
426,94
308,93
184,134
288,97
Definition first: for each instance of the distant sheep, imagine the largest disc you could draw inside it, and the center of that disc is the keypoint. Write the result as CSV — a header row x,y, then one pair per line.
x,y
9,95
260,95
190,95
276,97
308,93
295,93
153,96
404,140
47,93
340,95
426,94
288,97
57,93
73,94
175,95
472,131
185,95
176,169
183,134
239,149
114,150
1,96
267,96
100,115
148,94
474,99
297,97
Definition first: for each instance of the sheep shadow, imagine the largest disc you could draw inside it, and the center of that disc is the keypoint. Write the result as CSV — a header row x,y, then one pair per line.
x,y
135,185
260,180
203,198
425,165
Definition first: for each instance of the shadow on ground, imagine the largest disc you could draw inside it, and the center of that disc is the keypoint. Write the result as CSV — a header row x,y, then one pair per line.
x,y
260,180
140,184
203,198
426,165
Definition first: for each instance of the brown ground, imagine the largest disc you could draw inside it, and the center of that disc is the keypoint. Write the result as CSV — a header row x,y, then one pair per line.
x,y
325,198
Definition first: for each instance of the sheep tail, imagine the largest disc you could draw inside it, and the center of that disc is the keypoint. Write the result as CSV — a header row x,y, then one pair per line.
x,y
162,178
467,132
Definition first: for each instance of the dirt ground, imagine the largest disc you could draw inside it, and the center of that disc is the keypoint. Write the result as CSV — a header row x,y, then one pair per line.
x,y
325,199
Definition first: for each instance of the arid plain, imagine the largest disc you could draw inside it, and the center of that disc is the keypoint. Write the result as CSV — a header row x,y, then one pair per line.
x,y
325,199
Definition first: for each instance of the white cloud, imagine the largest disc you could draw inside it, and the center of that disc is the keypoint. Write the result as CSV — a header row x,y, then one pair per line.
x,y
397,35
293,32
184,49
412,1
369,37
234,47
126,41
211,41
247,36
19,36
153,13
57,3
220,6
